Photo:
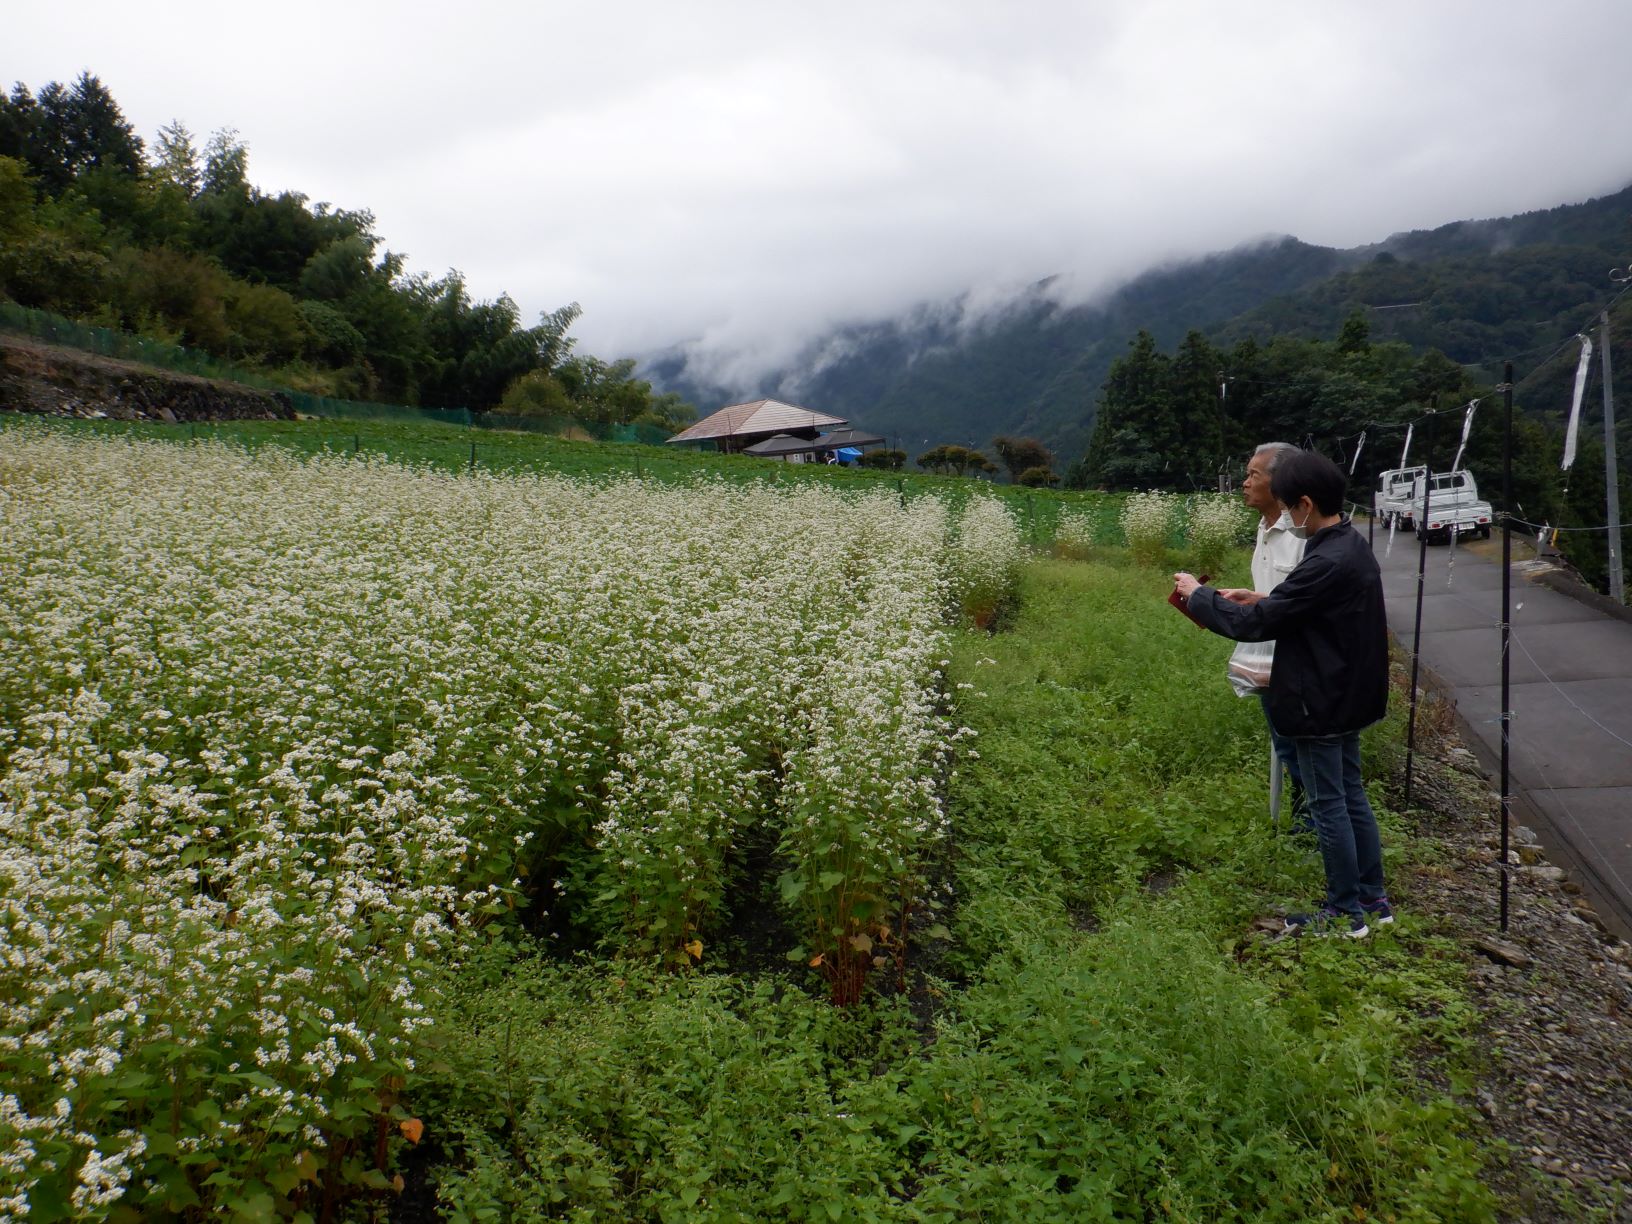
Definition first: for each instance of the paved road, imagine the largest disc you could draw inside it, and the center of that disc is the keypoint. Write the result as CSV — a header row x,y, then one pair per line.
x,y
1570,743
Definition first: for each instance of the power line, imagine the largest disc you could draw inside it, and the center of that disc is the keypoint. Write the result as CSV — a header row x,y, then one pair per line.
x,y
1550,527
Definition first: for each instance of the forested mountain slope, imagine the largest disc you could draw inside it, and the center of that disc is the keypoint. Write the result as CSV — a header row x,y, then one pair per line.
x,y
1480,291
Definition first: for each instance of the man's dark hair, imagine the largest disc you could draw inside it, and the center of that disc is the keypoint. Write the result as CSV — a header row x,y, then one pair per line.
x,y
1307,474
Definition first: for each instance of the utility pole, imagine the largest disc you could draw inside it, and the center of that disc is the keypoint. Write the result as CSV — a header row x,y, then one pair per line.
x,y
1612,491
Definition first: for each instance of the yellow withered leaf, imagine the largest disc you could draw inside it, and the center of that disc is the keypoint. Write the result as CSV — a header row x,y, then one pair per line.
x,y
695,949
817,959
862,943
412,1129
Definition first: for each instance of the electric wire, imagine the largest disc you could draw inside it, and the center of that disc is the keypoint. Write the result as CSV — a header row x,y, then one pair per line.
x,y
1550,528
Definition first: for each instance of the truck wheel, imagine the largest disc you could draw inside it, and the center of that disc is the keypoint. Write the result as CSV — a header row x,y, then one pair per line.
x,y
1484,532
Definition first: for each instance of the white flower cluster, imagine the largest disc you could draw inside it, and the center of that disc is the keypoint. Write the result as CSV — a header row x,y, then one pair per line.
x,y
274,731
1218,522
987,550
1148,521
1076,529
780,606
858,804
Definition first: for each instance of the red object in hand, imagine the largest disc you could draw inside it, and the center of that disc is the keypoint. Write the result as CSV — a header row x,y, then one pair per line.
x,y
1182,604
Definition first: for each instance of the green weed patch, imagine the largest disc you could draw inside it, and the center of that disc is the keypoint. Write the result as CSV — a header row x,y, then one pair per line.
x,y
1115,1042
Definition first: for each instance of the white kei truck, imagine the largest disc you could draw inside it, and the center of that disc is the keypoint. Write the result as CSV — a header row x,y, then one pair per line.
x,y
1454,506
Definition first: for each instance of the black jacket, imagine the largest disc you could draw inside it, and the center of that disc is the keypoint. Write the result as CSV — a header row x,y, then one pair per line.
x,y
1326,619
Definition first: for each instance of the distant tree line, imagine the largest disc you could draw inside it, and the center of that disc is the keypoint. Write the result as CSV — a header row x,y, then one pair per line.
x,y
1028,461
889,460
952,460
175,243
1180,421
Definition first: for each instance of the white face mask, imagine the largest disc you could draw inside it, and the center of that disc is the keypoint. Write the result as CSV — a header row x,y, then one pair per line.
x,y
1300,531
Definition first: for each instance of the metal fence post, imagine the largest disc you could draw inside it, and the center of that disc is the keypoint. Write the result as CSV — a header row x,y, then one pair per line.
x,y
1422,569
1612,480
1507,605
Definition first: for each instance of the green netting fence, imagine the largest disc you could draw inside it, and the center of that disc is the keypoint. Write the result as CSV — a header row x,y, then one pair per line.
x,y
108,342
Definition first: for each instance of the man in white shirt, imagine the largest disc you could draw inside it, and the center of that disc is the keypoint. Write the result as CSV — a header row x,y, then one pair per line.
x,y
1277,553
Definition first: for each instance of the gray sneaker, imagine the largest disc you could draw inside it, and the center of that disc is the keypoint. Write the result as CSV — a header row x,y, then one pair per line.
x,y
1326,922
1378,912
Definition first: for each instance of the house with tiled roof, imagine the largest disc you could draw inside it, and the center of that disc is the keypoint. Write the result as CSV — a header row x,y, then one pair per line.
x,y
739,426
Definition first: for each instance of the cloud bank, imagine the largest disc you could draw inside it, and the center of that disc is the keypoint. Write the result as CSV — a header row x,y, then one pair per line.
x,y
739,177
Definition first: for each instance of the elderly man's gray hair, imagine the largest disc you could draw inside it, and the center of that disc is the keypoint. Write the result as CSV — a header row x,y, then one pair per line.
x,y
1276,452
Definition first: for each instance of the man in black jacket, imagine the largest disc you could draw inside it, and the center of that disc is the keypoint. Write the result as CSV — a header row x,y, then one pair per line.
x,y
1329,680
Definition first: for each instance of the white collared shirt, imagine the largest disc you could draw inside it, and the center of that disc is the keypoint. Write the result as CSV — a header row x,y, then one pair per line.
x,y
1275,555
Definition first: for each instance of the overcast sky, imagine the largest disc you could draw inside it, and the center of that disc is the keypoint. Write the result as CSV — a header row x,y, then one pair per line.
x,y
741,175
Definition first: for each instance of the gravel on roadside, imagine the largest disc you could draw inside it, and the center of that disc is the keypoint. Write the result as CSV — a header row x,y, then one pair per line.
x,y
1554,995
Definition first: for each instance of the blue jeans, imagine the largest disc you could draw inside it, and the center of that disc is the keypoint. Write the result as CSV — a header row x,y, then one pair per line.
x,y
1287,754
1350,847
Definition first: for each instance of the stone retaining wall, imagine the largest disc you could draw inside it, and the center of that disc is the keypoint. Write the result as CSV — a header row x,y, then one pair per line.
x,y
53,381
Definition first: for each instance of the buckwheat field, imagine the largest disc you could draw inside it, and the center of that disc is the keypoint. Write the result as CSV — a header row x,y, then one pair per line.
x,y
277,734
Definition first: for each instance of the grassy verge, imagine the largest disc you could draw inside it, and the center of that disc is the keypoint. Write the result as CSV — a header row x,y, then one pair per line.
x,y
1101,1034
